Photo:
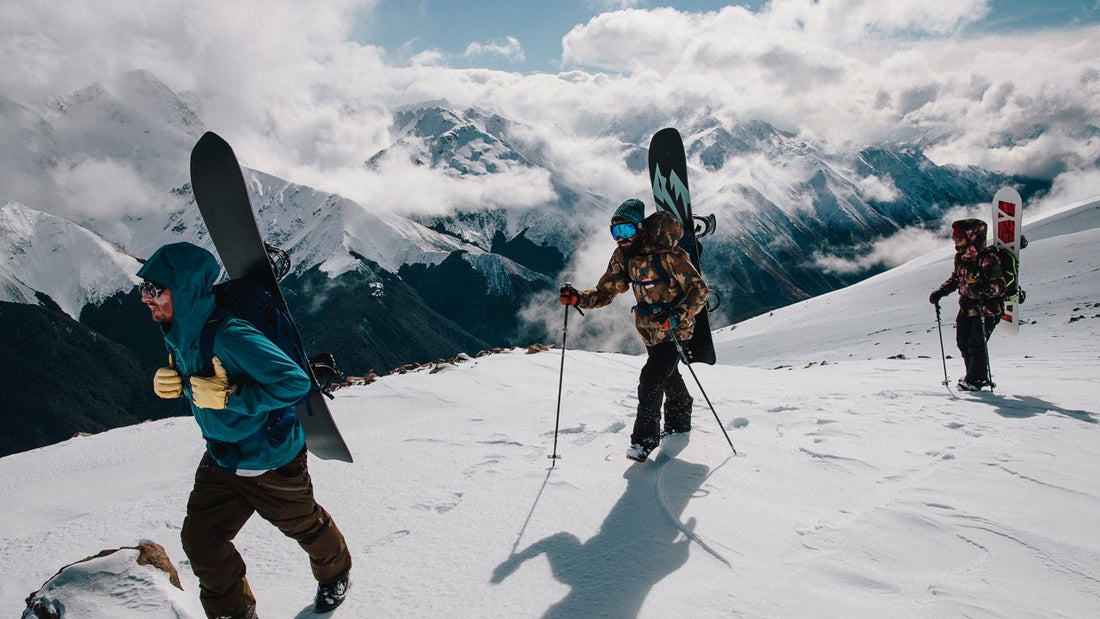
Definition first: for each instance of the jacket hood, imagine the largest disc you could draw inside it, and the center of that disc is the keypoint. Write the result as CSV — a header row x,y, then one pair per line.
x,y
973,230
662,231
190,272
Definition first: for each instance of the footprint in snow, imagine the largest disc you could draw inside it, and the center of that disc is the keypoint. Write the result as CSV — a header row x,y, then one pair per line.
x,y
384,540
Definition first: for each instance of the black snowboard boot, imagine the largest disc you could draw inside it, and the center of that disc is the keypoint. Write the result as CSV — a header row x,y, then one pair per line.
x,y
330,595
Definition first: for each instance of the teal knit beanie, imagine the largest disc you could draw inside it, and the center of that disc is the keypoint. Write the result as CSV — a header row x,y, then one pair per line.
x,y
631,210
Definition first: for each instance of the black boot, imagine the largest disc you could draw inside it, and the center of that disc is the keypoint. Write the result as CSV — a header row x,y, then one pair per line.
x,y
330,595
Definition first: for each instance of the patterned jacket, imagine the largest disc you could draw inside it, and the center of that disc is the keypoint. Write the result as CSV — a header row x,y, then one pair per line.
x,y
662,276
977,276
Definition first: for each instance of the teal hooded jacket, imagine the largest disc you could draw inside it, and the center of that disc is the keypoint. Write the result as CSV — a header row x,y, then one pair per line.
x,y
265,378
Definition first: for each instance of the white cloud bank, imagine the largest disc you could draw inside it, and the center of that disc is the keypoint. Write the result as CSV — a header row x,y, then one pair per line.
x,y
299,98
508,48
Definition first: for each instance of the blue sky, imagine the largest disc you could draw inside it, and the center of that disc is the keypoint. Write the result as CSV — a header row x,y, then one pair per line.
x,y
405,28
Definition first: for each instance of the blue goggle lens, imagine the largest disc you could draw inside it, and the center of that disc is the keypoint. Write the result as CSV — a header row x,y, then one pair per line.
x,y
623,231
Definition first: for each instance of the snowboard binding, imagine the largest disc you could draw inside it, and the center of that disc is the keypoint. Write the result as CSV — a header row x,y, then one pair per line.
x,y
279,259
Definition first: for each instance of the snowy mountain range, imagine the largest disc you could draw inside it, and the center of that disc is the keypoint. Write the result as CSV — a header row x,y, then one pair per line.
x,y
98,179
48,255
862,486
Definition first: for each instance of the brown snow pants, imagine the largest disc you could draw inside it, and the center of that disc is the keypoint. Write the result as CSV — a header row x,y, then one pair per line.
x,y
220,504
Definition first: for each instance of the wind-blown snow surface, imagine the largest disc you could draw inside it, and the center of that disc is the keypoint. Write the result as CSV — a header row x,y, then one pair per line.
x,y
862,487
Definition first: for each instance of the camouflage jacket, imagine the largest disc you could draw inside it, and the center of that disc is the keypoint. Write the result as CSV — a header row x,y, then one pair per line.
x,y
978,278
662,276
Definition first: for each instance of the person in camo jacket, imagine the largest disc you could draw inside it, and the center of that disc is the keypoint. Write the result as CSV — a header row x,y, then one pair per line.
x,y
669,292
978,278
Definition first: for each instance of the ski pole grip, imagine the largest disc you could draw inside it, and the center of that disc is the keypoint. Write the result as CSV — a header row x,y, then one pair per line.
x,y
570,285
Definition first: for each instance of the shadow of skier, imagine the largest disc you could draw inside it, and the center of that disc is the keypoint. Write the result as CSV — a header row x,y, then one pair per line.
x,y
638,545
1020,407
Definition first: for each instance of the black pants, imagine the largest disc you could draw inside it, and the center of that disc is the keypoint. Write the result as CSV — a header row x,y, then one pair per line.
x,y
972,342
660,382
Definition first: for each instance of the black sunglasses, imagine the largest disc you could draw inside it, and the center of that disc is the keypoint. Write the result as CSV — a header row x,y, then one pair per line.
x,y
149,288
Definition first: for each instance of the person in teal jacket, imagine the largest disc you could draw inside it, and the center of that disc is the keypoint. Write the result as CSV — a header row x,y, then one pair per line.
x,y
252,377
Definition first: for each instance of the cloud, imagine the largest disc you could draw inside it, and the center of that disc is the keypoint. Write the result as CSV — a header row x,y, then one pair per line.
x,y
888,252
100,193
851,74
1069,189
400,186
878,189
508,48
298,98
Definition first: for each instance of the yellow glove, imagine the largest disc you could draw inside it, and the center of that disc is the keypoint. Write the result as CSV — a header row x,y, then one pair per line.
x,y
167,383
213,392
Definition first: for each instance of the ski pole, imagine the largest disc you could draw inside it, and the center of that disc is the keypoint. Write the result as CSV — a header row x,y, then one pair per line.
x,y
985,347
943,355
561,378
683,357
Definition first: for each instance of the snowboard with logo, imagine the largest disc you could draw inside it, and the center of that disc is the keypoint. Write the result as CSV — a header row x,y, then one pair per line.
x,y
668,175
1007,231
222,196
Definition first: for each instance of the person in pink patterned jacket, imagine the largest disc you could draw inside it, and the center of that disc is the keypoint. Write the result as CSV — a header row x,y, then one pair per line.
x,y
978,278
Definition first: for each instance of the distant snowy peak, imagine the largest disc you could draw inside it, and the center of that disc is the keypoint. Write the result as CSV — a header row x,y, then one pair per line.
x,y
330,231
49,255
136,97
134,119
467,143
713,144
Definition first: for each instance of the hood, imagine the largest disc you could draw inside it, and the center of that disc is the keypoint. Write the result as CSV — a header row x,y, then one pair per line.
x,y
190,272
973,230
662,231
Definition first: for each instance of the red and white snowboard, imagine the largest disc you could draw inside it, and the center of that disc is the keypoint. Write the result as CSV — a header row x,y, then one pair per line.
x,y
1007,231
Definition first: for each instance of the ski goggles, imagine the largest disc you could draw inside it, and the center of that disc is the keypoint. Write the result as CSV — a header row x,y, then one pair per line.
x,y
623,231
149,288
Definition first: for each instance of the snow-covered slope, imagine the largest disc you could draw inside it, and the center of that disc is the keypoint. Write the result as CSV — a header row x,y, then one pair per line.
x,y
48,254
862,486
889,314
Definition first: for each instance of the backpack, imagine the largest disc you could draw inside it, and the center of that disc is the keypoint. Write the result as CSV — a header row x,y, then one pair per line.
x,y
258,305
1010,266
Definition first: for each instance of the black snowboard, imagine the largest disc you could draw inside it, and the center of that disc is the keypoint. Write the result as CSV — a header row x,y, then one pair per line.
x,y
222,196
668,174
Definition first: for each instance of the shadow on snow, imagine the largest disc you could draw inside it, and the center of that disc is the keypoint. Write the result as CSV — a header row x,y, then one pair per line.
x,y
638,545
1019,407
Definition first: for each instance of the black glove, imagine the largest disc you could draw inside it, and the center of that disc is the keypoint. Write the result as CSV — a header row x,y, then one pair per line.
x,y
568,295
935,297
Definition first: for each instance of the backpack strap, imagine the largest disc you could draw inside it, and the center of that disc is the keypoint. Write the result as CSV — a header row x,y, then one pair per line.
x,y
206,341
1009,265
279,422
